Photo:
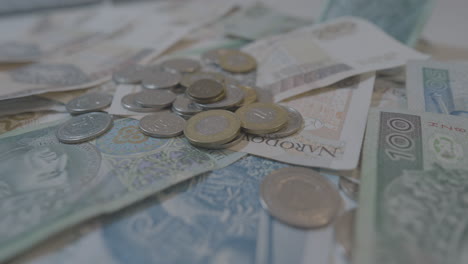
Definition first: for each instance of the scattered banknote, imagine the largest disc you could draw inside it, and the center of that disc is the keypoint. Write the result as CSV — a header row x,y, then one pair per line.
x,y
11,122
334,124
402,19
214,218
46,186
29,104
9,7
320,55
389,94
168,22
258,21
413,189
438,87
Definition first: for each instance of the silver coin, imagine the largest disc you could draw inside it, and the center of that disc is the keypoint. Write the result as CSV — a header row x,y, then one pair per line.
x,y
300,197
295,122
89,103
234,96
129,103
162,125
344,231
159,80
84,127
350,188
185,106
181,65
205,89
212,56
189,78
155,98
129,75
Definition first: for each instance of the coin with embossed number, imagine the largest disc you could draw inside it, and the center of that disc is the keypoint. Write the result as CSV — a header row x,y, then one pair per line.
x,y
90,102
129,75
212,127
294,124
206,90
233,97
162,125
300,197
84,127
161,79
236,61
262,118
181,65
344,231
155,98
129,103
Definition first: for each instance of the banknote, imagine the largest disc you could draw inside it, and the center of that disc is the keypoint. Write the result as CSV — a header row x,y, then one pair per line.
x,y
168,22
413,187
402,19
11,122
213,218
29,104
46,186
320,55
334,124
389,94
258,21
438,87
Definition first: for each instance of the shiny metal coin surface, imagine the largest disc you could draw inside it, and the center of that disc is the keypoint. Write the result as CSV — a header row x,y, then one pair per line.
x,y
236,61
229,144
233,97
189,78
155,98
185,106
262,118
90,102
84,127
162,125
295,123
205,89
159,80
212,127
181,65
129,103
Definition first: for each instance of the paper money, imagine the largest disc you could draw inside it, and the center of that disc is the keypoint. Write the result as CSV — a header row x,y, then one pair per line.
x,y
320,55
9,123
402,19
259,21
389,94
46,186
168,22
334,118
213,218
29,104
413,188
438,87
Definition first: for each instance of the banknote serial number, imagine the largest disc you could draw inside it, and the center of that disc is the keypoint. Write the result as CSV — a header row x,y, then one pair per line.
x,y
401,145
448,127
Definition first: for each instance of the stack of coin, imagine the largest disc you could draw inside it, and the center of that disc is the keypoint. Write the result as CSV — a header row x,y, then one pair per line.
x,y
262,118
148,100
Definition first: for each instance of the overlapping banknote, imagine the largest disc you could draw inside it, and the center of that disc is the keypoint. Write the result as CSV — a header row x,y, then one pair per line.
x,y
412,205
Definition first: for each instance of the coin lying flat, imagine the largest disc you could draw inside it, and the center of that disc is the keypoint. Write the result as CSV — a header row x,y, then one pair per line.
x,y
229,144
185,106
129,103
89,103
300,197
155,98
212,127
206,90
237,62
162,125
181,65
129,75
344,231
189,78
160,80
84,127
233,97
294,124
262,118
213,56
250,95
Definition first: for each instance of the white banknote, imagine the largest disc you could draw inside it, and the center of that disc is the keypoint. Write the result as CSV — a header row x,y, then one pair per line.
x,y
334,123
322,54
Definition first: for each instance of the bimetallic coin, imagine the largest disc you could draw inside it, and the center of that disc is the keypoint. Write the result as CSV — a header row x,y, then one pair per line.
x,y
181,65
300,197
213,56
189,78
294,124
89,103
185,106
155,98
262,118
84,127
344,231
129,103
250,95
212,127
129,75
229,144
237,62
162,125
160,80
206,90
233,97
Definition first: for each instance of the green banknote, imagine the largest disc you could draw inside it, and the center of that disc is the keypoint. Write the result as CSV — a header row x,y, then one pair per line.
x,y
46,186
414,190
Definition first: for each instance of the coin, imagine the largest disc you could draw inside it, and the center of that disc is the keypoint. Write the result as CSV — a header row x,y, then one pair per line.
x,y
229,144
89,103
181,65
212,127
129,75
84,127
129,103
155,98
212,56
185,106
162,125
233,97
300,197
237,61
262,118
294,123
344,231
189,78
206,90
350,188
159,80
250,95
